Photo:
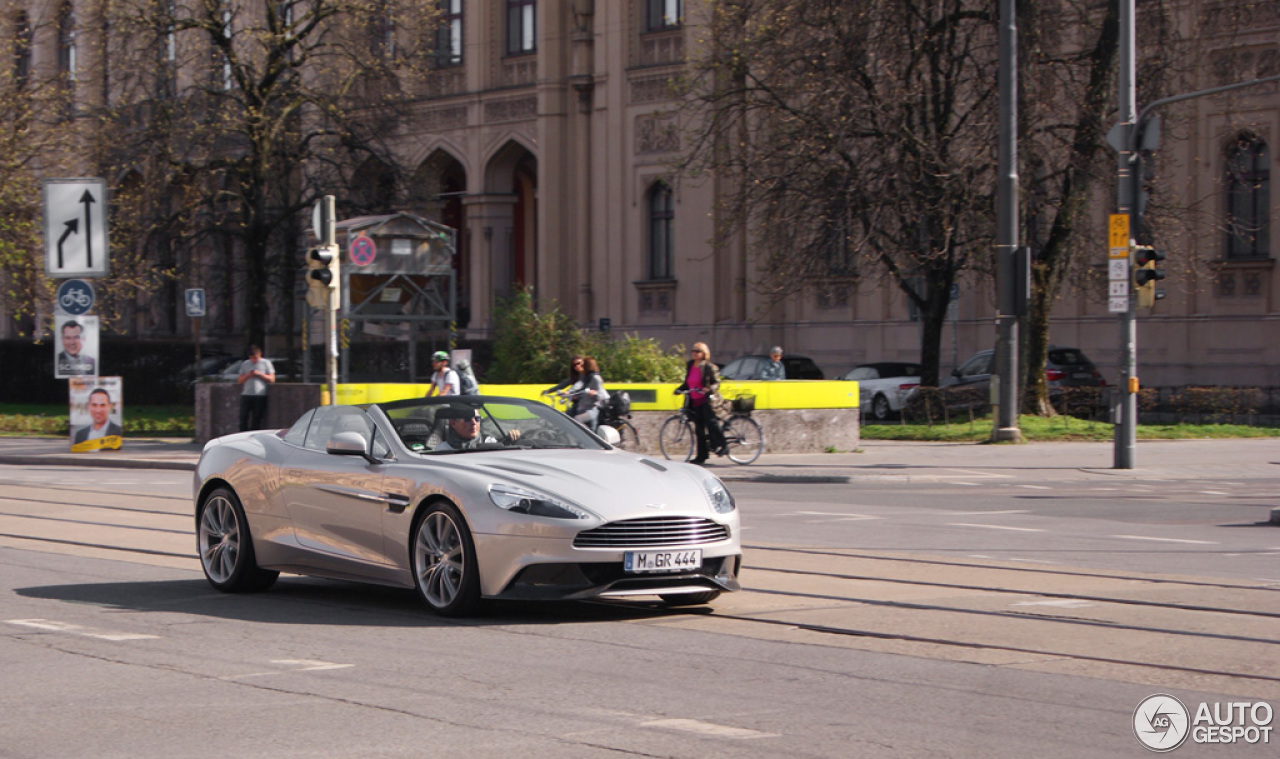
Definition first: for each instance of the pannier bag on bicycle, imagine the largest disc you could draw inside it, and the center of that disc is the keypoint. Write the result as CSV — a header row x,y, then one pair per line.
x,y
744,404
620,403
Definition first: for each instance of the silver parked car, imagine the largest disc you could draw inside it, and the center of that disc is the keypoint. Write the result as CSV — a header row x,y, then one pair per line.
x,y
884,387
463,499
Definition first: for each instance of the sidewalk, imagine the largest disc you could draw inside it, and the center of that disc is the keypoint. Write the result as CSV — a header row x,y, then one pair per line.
x,y
875,460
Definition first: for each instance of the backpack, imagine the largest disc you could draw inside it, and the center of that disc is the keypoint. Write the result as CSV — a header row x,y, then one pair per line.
x,y
467,384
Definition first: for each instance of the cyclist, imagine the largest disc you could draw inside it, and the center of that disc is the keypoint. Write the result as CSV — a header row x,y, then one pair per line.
x,y
701,382
444,380
585,388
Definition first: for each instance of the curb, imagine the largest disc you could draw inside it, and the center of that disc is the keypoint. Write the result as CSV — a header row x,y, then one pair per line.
x,y
105,463
1275,517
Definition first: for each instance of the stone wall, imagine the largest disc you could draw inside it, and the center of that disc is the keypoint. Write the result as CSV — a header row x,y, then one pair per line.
x,y
218,406
785,431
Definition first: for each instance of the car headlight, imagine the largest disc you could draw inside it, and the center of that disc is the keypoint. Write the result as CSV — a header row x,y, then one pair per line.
x,y
721,501
525,501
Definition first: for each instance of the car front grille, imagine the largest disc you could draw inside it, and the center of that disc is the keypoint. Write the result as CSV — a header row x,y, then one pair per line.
x,y
653,532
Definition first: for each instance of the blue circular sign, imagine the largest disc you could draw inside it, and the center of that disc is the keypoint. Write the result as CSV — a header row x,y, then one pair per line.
x,y
74,297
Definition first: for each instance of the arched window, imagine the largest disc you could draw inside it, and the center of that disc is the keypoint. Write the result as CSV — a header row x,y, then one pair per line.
x,y
1248,186
661,218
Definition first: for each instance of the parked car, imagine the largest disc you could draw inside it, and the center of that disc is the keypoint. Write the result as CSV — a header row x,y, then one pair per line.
x,y
884,387
287,370
752,368
1065,367
536,507
210,363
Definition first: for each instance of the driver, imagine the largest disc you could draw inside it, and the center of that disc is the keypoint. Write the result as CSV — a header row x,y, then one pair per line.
x,y
463,433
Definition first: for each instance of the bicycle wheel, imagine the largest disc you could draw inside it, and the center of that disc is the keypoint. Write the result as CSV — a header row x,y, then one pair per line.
x,y
676,439
630,438
745,439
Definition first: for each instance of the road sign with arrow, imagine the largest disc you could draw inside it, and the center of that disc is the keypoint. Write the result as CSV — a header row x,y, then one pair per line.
x,y
75,227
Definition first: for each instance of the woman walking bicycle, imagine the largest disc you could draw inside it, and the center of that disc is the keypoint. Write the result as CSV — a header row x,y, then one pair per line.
x,y
701,383
744,439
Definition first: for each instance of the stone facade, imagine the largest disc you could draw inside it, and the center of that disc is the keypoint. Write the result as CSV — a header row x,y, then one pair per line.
x,y
556,165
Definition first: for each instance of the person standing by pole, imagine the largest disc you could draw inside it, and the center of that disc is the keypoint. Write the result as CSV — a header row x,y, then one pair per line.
x,y
256,373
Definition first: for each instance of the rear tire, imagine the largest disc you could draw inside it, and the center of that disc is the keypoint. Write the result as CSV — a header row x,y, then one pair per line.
x,y
676,439
880,410
445,571
226,546
630,438
744,438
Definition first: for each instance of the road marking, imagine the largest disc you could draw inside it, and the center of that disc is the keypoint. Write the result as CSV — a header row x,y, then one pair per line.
x,y
834,514
50,625
1168,540
995,527
980,513
706,728
1036,487
295,665
310,665
1213,492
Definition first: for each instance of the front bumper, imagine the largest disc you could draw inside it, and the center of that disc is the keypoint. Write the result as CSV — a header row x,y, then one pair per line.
x,y
545,570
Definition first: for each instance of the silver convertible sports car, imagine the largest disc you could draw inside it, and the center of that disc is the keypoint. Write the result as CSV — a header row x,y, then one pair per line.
x,y
463,498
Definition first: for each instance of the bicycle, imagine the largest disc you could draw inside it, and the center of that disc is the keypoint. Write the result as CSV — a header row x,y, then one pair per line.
x,y
611,416
743,436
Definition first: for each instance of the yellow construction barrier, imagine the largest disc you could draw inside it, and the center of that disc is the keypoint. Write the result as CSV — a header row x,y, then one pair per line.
x,y
645,396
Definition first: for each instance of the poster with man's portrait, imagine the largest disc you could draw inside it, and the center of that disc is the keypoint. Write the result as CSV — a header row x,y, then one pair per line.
x,y
97,413
75,345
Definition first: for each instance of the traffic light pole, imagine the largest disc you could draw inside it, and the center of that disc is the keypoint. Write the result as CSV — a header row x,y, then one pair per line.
x,y
1126,183
1128,133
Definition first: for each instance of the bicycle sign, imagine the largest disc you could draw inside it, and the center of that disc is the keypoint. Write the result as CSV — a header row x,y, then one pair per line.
x,y
74,297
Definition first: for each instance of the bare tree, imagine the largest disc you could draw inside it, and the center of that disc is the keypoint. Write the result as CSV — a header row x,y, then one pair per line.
x,y
853,134
34,136
249,111
1069,58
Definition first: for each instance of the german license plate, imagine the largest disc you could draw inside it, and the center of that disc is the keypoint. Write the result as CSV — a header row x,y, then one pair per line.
x,y
662,561
1082,375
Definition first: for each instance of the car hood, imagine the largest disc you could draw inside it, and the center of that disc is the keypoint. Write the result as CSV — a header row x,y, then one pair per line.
x,y
611,484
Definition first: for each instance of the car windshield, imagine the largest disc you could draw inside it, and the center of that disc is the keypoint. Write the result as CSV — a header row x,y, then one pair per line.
x,y
443,426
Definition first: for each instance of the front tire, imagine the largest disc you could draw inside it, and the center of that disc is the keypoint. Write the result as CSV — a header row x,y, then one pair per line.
x,y
226,546
676,438
444,561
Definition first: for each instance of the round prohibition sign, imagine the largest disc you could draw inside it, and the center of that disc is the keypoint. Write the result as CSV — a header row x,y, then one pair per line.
x,y
362,250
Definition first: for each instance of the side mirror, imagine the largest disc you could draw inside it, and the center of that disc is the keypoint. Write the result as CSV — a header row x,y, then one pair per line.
x,y
349,444
609,434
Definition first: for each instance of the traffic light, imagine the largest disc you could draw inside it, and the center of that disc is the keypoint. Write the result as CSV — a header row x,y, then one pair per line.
x,y
323,277
1145,274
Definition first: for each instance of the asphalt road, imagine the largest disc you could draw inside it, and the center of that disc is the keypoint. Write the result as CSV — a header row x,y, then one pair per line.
x,y
904,601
